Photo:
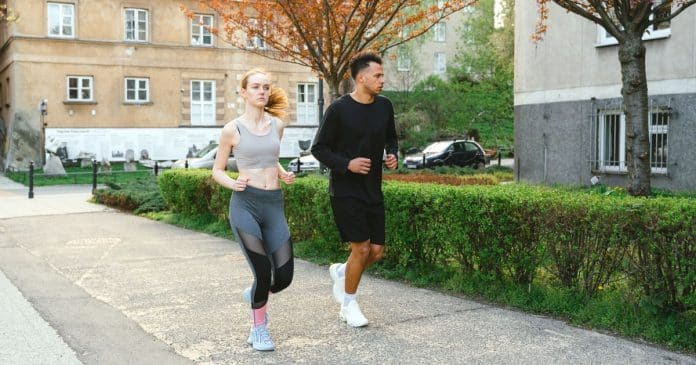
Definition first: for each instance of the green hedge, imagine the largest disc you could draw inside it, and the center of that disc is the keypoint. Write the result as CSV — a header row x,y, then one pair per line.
x,y
514,233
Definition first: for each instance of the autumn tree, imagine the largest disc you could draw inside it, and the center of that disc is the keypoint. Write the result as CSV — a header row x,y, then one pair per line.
x,y
627,21
324,34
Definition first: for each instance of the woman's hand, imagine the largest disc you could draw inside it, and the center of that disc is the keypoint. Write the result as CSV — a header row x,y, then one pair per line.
x,y
240,184
287,177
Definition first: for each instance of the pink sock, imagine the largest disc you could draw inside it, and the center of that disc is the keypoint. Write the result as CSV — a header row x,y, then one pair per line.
x,y
259,316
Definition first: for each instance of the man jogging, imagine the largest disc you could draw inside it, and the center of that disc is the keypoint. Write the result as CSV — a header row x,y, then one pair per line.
x,y
356,130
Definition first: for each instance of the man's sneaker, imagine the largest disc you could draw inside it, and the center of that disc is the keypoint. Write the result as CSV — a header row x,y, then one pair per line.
x,y
261,339
339,283
352,315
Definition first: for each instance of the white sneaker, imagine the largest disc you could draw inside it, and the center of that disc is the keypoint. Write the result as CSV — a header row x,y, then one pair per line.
x,y
352,314
261,339
339,283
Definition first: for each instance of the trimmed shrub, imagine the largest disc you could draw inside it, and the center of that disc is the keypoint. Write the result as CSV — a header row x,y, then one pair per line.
x,y
508,233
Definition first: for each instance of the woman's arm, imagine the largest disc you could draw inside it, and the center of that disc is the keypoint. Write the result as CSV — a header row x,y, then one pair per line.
x,y
229,136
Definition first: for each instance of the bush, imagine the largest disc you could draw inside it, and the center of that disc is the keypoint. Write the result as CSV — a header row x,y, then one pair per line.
x,y
139,196
503,233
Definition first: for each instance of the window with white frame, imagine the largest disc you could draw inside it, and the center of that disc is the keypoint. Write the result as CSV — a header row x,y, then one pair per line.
x,y
202,102
256,41
61,20
135,25
655,31
200,30
307,108
137,90
612,141
440,30
659,128
80,88
440,63
403,61
611,144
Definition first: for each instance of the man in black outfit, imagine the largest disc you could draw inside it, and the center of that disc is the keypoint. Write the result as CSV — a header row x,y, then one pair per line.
x,y
356,130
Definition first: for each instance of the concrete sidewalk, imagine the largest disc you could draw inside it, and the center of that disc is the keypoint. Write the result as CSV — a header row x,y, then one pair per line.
x,y
120,289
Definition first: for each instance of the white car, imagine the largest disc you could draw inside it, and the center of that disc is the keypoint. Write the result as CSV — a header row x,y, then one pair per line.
x,y
204,159
307,163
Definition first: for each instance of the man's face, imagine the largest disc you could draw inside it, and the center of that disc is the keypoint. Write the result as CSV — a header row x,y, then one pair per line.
x,y
372,78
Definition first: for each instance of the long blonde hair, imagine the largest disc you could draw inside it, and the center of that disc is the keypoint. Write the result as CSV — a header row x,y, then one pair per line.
x,y
277,99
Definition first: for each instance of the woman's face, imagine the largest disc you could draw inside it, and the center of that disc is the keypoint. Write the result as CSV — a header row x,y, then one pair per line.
x,y
257,90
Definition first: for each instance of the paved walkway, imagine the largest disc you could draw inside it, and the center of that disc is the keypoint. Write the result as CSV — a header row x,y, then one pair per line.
x,y
103,287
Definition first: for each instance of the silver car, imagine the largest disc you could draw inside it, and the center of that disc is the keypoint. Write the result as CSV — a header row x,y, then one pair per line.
x,y
307,163
204,159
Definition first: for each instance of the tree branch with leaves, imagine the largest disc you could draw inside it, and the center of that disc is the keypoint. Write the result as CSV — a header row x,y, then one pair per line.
x,y
324,34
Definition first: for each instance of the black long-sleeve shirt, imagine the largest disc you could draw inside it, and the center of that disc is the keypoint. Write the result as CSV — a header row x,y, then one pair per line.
x,y
351,129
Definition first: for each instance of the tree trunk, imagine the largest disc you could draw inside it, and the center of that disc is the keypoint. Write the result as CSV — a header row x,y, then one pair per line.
x,y
635,101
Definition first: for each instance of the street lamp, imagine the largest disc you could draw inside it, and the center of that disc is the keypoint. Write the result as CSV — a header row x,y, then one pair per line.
x,y
43,108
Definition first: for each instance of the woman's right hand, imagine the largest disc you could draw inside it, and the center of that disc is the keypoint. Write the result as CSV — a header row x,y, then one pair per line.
x,y
240,184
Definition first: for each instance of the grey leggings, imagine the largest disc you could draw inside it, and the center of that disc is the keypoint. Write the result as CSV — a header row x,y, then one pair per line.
x,y
258,221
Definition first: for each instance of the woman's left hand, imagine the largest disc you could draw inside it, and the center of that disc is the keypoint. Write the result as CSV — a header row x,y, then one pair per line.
x,y
287,177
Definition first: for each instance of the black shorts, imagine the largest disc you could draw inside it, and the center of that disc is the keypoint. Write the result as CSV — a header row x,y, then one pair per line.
x,y
358,221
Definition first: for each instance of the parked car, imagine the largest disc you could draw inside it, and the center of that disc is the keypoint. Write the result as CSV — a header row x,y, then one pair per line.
x,y
204,158
448,153
307,163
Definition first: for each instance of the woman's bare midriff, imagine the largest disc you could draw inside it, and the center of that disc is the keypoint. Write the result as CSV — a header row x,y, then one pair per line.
x,y
266,179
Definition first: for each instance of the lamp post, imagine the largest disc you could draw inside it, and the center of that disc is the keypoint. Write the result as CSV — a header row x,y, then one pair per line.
x,y
320,100
43,108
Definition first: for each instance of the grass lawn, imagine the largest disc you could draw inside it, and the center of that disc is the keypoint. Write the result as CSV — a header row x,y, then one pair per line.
x,y
79,175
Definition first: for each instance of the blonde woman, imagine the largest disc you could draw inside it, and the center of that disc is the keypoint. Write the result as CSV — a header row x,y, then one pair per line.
x,y
256,210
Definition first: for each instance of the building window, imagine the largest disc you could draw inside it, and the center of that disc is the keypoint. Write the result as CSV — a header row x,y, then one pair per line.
x,y
612,141
202,102
137,90
659,126
80,88
440,63
440,30
135,25
403,61
256,41
655,31
61,20
307,107
200,30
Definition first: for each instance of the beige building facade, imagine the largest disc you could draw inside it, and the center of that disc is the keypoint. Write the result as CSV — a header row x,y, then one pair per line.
x,y
132,74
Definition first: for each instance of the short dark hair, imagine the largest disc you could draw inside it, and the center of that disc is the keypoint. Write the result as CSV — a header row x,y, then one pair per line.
x,y
362,61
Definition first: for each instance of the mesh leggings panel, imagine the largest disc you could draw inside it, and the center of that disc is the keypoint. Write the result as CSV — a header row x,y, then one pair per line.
x,y
270,275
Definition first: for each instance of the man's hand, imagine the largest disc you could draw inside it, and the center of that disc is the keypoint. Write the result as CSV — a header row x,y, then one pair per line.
x,y
360,165
391,162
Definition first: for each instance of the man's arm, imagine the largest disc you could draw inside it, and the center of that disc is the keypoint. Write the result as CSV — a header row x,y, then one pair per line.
x,y
325,143
391,143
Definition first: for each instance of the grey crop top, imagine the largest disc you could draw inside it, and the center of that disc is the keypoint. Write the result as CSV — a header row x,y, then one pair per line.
x,y
257,151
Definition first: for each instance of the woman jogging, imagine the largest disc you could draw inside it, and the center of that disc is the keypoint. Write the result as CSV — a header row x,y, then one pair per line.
x,y
256,209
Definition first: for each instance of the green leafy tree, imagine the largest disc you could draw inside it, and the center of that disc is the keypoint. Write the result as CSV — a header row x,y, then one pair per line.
x,y
483,70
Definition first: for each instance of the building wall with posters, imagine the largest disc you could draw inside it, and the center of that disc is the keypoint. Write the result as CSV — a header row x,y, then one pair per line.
x,y
569,122
111,71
